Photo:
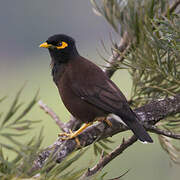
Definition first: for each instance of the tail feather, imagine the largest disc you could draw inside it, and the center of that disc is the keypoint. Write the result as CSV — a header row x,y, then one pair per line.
x,y
139,131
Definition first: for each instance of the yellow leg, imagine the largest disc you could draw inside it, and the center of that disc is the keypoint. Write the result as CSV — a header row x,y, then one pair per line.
x,y
76,133
76,139
108,122
101,119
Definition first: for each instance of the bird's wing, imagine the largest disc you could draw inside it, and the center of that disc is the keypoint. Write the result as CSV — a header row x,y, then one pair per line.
x,y
105,96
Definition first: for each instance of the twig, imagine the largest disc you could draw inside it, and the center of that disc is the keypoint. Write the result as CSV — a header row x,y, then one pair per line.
x,y
53,115
105,160
118,178
73,124
167,133
116,56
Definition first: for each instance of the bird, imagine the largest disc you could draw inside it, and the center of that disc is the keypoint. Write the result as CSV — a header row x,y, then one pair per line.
x,y
86,91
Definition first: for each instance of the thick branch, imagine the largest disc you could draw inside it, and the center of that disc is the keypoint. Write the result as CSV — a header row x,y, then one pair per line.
x,y
147,115
158,109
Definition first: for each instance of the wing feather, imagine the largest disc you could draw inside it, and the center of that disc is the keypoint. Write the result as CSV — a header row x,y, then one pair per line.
x,y
105,96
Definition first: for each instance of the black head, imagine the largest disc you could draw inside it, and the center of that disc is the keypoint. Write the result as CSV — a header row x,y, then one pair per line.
x,y
61,47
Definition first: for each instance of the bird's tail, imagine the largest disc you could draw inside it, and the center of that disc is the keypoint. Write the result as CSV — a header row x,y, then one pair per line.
x,y
139,131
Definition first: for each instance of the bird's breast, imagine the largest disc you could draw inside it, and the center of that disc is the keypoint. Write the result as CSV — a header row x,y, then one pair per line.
x,y
75,104
57,72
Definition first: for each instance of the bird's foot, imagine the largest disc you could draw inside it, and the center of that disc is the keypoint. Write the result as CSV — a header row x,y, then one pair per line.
x,y
72,135
101,119
69,135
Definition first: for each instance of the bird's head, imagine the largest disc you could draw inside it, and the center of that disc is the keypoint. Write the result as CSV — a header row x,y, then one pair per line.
x,y
61,48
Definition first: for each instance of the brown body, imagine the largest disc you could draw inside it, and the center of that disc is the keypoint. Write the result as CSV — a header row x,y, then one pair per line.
x,y
67,84
85,89
70,81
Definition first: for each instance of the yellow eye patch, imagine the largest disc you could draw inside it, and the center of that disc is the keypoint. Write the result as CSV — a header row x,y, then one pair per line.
x,y
62,45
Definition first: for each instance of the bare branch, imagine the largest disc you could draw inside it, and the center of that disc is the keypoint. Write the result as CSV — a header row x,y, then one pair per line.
x,y
156,130
106,159
118,178
73,123
116,56
53,115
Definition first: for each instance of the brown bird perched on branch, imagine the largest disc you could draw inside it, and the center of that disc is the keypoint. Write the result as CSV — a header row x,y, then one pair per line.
x,y
85,89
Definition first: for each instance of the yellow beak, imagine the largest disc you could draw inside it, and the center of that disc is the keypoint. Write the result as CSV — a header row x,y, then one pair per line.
x,y
45,45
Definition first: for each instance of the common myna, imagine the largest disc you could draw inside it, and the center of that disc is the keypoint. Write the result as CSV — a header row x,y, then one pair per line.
x,y
85,89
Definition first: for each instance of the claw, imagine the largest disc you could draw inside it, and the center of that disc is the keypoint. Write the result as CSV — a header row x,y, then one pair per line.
x,y
63,134
71,135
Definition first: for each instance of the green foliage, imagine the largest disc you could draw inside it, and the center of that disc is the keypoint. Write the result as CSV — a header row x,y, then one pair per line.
x,y
172,149
155,65
13,126
61,171
153,55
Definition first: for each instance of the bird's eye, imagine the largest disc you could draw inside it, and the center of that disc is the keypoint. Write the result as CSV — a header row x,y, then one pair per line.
x,y
61,45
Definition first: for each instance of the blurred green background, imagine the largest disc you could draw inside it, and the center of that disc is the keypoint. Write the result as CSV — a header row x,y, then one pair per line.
x,y
26,24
